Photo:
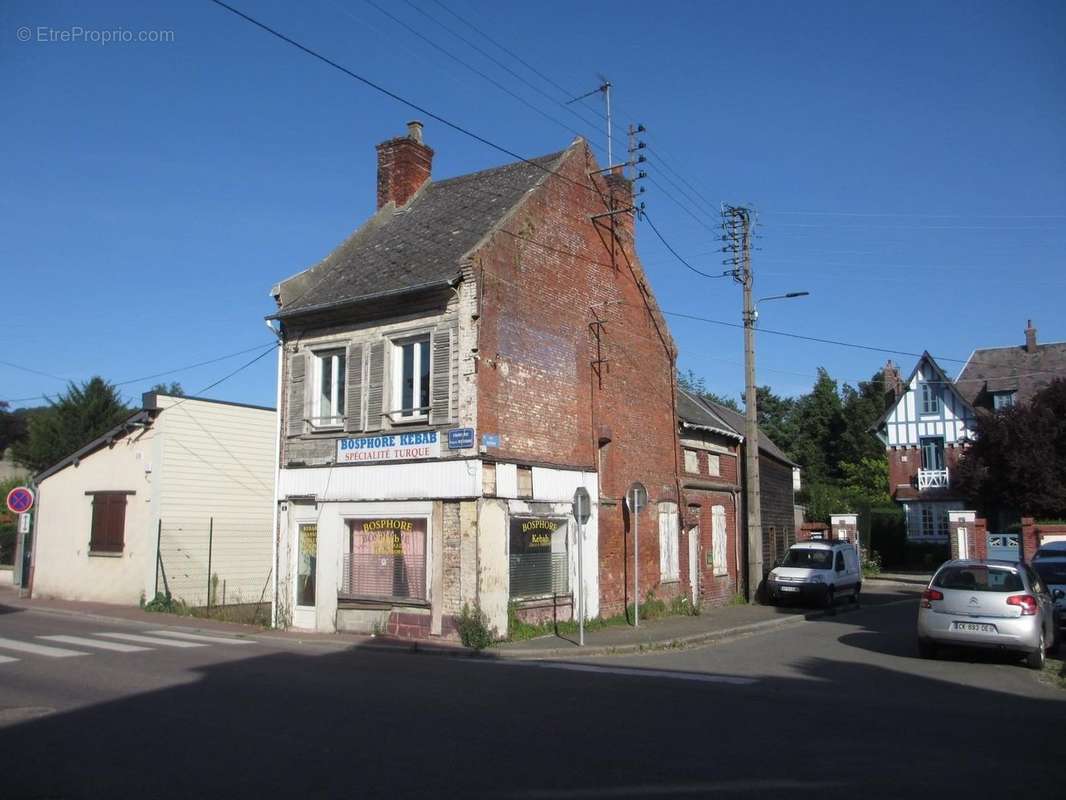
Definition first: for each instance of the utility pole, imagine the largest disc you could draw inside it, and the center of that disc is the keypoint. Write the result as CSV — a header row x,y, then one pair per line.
x,y
737,224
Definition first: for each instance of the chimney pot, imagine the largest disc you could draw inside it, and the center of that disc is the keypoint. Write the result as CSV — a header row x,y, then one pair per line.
x,y
414,130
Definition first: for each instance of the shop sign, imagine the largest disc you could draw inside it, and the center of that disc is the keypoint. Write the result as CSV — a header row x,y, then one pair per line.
x,y
534,534
389,447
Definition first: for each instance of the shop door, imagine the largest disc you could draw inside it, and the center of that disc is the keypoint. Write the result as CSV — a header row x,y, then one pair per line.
x,y
304,576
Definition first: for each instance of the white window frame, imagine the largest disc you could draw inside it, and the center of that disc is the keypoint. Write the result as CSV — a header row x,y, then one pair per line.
x,y
396,378
338,387
714,465
719,542
669,543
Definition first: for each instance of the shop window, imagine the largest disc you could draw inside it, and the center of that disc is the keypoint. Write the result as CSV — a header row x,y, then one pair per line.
x,y
108,527
386,559
525,481
714,464
411,370
538,557
329,378
692,461
306,562
669,542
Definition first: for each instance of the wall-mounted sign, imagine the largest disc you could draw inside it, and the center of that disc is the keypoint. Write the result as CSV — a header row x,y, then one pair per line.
x,y
460,438
389,447
490,440
25,520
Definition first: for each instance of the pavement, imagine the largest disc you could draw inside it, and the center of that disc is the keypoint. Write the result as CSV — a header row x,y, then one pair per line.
x,y
673,632
823,707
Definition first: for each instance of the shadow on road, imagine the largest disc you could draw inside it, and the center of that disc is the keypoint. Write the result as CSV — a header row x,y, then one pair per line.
x,y
313,724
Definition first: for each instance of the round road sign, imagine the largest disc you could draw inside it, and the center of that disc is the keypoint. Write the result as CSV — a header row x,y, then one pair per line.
x,y
582,505
19,500
636,497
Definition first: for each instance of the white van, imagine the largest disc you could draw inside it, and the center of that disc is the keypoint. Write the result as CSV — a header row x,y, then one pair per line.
x,y
816,571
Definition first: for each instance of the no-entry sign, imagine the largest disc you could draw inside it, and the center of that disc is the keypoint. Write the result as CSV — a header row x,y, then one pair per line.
x,y
19,500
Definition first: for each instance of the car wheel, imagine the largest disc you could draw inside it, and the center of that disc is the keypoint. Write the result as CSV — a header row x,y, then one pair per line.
x,y
830,597
855,594
926,649
1036,658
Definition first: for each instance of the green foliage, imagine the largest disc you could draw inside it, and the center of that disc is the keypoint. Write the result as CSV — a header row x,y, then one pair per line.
x,y
70,421
738,600
696,385
775,416
173,389
473,627
166,604
8,523
1017,461
871,565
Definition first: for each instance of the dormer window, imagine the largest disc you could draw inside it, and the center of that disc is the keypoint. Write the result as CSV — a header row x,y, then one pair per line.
x,y
1001,400
330,372
411,368
930,399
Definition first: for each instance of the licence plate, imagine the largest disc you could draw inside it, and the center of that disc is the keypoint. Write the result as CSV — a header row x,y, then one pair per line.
x,y
789,588
977,627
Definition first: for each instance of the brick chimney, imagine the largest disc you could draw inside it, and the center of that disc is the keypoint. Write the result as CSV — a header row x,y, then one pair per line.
x,y
893,383
404,164
1030,338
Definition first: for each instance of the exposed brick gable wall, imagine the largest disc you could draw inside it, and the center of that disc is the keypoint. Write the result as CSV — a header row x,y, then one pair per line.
x,y
536,384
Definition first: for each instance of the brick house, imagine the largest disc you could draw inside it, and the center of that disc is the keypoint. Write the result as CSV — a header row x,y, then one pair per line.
x,y
1001,377
924,430
712,452
450,374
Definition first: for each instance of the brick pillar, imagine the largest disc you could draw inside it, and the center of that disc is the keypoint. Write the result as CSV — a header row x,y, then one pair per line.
x,y
980,538
962,534
845,527
1029,541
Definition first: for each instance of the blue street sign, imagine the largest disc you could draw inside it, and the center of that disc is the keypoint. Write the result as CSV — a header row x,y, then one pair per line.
x,y
460,438
490,440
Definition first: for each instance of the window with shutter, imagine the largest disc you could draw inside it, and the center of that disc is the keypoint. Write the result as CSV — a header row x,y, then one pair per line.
x,y
107,532
297,370
719,541
354,390
669,542
441,380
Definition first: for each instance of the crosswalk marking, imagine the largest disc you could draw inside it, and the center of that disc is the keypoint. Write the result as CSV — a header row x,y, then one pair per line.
x,y
38,649
7,659
132,637
199,637
97,643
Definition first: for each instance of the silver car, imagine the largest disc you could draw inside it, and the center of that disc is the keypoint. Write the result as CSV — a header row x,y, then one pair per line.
x,y
1050,565
993,604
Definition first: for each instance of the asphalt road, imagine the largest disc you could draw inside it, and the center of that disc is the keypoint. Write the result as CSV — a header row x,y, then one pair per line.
x,y
837,707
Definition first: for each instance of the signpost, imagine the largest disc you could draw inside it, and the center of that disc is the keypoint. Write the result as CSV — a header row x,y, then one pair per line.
x,y
582,511
636,500
19,500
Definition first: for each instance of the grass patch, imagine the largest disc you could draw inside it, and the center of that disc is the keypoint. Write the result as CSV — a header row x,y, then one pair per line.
x,y
738,600
243,613
1055,672
651,608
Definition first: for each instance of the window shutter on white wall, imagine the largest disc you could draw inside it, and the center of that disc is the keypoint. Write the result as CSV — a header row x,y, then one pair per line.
x,y
375,386
718,541
297,389
441,376
353,401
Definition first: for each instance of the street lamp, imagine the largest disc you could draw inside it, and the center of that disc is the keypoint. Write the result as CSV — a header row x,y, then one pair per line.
x,y
786,296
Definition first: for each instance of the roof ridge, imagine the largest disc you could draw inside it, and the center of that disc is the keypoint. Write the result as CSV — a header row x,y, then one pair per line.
x,y
483,172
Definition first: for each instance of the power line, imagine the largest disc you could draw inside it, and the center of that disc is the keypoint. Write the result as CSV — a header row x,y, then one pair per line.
x,y
644,215
914,214
34,372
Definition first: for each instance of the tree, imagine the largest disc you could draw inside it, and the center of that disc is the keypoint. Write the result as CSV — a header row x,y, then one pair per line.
x,y
70,422
861,408
818,422
174,389
12,427
774,415
696,385
1017,458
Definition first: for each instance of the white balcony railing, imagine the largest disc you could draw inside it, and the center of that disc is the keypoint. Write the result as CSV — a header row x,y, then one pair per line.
x,y
932,479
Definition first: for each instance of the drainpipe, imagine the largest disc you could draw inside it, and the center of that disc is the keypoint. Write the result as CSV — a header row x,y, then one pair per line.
x,y
277,483
736,534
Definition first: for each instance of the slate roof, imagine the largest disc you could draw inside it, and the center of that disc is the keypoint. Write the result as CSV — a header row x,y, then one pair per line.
x,y
994,369
707,414
418,245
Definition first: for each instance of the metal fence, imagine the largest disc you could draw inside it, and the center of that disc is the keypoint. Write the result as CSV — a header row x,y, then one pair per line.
x,y
211,563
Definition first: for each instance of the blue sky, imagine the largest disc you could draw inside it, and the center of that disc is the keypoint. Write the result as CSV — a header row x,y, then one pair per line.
x,y
907,160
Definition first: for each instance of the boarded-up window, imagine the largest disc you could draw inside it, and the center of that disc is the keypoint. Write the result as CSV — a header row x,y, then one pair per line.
x,y
108,522
488,479
525,481
719,540
669,542
692,461
714,464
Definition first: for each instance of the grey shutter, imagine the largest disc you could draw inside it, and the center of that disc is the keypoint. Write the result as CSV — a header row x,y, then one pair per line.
x,y
297,370
375,386
440,381
353,401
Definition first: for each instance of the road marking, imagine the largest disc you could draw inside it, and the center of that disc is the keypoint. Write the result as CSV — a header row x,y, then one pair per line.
x,y
634,672
38,649
199,637
7,659
80,640
132,637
